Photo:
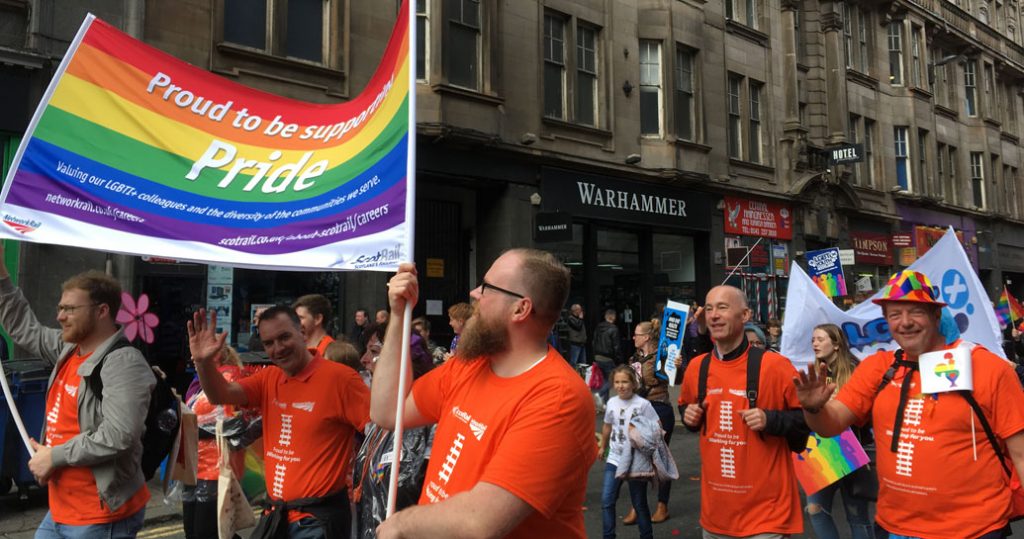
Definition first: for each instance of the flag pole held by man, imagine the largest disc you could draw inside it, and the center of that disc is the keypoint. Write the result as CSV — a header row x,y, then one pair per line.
x,y
945,459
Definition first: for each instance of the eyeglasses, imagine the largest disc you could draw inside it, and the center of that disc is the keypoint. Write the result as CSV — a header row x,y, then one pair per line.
x,y
70,309
484,285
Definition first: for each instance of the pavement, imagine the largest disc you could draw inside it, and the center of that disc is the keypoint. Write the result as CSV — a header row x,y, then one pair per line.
x,y
19,517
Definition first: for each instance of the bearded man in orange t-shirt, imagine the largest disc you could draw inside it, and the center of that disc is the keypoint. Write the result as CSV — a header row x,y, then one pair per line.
x,y
939,476
515,423
748,487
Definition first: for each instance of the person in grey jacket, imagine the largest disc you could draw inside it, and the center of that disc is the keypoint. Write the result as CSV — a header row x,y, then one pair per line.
x,y
577,335
91,450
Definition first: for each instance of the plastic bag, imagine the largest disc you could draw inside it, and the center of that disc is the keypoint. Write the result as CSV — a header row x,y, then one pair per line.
x,y
595,378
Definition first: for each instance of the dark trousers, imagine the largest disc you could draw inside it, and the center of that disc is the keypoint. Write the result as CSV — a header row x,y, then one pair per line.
x,y
668,423
200,519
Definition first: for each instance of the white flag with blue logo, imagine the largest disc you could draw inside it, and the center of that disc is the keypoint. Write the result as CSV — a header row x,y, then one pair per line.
x,y
946,265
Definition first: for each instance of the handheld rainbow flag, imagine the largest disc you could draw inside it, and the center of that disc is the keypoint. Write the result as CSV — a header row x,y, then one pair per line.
x,y
827,460
134,151
1008,309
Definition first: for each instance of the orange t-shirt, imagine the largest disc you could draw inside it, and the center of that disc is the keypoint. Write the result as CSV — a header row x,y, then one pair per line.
x,y
747,486
74,497
934,468
309,422
207,415
321,348
532,435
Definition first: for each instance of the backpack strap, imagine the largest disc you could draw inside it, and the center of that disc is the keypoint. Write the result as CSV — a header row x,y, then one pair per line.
x,y
95,380
702,384
754,356
969,397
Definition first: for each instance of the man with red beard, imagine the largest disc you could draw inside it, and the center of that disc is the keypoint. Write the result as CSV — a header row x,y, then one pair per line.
x,y
515,424
92,444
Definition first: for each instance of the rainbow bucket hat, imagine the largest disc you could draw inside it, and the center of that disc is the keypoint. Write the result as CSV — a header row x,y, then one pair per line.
x,y
910,286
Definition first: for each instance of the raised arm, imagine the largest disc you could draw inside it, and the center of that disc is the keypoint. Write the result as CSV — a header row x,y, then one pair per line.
x,y
824,415
206,346
403,289
486,511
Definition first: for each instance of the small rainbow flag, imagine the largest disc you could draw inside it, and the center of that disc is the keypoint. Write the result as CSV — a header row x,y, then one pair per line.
x,y
827,460
1008,309
132,150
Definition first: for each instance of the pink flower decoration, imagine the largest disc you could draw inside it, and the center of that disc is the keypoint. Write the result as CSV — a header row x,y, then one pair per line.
x,y
135,319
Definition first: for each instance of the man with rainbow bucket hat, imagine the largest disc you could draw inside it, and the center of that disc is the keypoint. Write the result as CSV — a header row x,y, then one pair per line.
x,y
939,471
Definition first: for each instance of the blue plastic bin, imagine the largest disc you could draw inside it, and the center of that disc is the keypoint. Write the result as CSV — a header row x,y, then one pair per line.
x,y
28,380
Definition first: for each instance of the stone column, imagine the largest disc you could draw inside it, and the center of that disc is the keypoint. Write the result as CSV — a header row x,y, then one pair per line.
x,y
835,72
790,78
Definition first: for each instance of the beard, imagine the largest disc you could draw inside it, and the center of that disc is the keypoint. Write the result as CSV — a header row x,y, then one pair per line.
x,y
79,331
482,338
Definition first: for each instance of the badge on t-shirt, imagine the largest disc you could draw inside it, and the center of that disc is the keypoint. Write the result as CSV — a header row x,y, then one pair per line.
x,y
946,370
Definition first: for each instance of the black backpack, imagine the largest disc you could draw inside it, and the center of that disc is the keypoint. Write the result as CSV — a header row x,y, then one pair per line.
x,y
163,418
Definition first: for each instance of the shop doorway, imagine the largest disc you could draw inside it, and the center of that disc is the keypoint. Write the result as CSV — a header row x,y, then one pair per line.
x,y
173,300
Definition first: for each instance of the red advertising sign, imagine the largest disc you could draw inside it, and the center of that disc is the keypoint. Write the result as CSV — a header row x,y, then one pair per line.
x,y
757,218
872,248
928,236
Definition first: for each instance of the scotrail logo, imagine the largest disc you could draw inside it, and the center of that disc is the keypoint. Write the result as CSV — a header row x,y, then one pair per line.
x,y
23,226
383,257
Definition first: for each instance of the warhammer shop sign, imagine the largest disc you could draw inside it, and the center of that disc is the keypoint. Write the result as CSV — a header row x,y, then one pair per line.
x,y
603,197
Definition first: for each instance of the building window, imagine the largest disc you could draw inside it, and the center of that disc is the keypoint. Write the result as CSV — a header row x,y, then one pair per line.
x,y
852,138
868,179
971,87
754,122
938,76
941,159
650,87
903,175
463,43
422,43
896,53
991,103
742,11
848,50
554,66
978,179
954,176
801,39
586,75
922,163
863,25
685,103
287,28
735,121
917,61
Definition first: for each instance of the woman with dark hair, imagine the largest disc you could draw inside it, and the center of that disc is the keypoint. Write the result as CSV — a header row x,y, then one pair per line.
x,y
833,350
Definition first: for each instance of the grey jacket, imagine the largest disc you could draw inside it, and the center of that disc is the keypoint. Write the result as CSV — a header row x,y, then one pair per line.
x,y
110,442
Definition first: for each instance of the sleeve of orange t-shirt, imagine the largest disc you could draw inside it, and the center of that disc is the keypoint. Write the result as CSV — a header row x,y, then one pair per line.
x,y
1007,399
783,373
541,449
688,391
255,387
355,399
859,392
428,392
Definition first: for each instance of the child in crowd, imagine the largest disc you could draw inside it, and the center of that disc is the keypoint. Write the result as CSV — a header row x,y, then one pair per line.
x,y
615,437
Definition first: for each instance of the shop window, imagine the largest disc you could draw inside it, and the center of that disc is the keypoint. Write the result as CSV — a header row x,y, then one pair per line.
x,y
674,268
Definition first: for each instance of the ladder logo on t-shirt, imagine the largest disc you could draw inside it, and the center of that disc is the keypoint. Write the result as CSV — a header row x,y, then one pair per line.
x,y
285,436
278,485
728,456
452,458
51,417
725,417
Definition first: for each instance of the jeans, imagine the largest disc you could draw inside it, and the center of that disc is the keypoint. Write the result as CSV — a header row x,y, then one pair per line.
x,y
668,423
882,534
306,528
126,528
606,365
577,354
637,494
856,510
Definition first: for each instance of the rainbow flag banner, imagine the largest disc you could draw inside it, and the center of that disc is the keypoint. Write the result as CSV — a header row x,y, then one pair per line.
x,y
1008,309
134,151
827,460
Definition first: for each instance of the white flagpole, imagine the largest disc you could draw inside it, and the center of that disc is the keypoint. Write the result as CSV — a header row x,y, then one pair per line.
x,y
410,222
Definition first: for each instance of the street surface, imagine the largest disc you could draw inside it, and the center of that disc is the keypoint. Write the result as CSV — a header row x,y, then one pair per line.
x,y
18,519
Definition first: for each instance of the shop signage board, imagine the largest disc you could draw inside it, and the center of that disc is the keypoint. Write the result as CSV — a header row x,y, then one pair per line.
x,y
845,154
902,240
872,248
552,227
746,217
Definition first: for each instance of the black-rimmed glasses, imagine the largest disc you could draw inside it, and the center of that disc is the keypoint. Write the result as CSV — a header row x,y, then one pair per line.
x,y
484,285
70,309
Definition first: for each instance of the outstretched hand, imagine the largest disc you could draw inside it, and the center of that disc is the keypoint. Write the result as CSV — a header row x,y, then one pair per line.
x,y
812,387
403,288
203,340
